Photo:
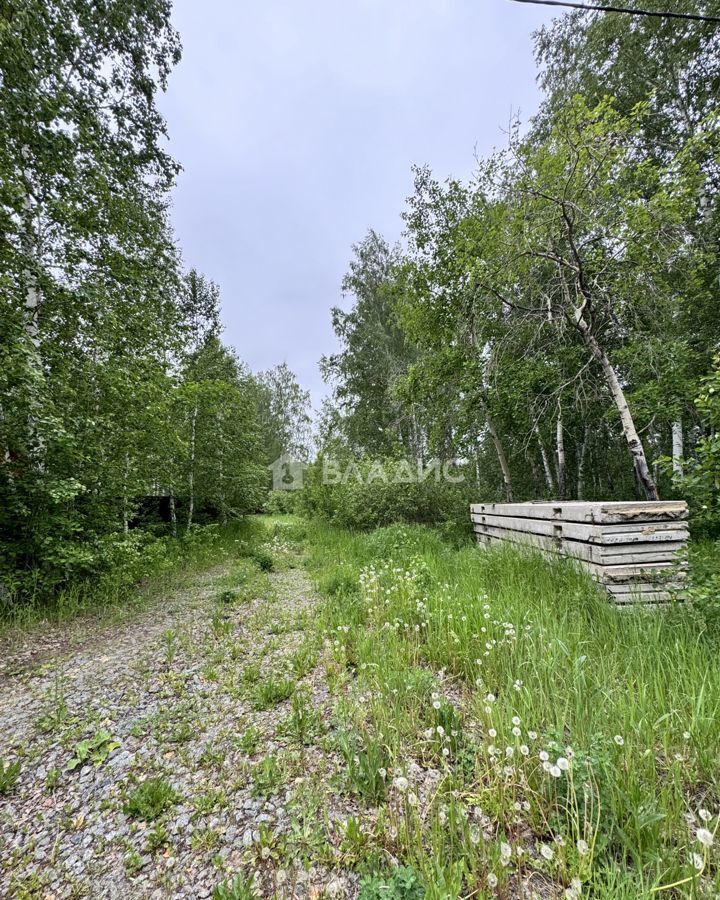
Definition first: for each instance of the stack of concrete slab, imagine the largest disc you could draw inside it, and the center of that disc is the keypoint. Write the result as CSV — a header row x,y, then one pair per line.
x,y
633,549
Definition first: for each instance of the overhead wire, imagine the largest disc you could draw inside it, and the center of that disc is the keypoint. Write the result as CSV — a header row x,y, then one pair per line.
x,y
603,7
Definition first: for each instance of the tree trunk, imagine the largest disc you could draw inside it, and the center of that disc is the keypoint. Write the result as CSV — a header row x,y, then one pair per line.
x,y
173,515
223,503
581,466
634,443
560,453
191,473
537,481
221,470
125,510
30,248
549,483
502,459
677,447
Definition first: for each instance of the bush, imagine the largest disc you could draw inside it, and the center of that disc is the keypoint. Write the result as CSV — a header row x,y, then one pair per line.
x,y
365,501
282,503
704,585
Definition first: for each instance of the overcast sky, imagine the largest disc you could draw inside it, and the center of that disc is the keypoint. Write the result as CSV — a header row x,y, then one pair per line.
x,y
297,124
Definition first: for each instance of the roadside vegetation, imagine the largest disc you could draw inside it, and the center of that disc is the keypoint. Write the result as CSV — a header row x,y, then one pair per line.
x,y
437,721
525,731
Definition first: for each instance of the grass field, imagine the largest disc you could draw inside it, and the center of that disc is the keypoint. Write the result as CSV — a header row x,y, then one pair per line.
x,y
526,733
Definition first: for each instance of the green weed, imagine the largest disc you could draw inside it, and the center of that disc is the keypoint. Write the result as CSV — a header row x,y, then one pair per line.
x,y
95,750
239,888
271,690
150,799
9,775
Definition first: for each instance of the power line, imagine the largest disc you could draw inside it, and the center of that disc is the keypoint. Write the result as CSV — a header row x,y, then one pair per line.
x,y
624,9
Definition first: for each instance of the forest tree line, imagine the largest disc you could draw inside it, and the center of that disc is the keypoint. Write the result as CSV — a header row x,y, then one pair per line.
x,y
554,322
116,389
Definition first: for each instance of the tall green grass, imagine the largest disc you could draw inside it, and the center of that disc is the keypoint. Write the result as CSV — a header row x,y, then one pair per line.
x,y
587,738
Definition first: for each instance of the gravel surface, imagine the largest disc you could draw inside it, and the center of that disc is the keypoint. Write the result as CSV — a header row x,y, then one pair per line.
x,y
195,696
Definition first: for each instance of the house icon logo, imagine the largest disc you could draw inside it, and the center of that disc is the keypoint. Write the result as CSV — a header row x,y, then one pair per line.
x,y
287,473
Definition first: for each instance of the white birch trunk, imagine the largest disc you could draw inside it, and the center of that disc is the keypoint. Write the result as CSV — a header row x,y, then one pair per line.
x,y
677,447
581,466
502,459
173,516
191,472
632,437
549,483
126,510
560,454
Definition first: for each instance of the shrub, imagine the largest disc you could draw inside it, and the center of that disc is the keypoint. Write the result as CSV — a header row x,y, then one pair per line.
x,y
369,502
282,503
264,559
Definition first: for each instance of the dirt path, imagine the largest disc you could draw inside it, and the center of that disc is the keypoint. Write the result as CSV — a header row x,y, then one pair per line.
x,y
218,703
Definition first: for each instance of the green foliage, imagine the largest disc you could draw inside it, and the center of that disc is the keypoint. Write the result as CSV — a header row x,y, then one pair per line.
x,y
88,317
267,776
703,593
249,740
363,501
271,690
304,722
403,884
507,675
264,559
282,502
150,799
238,888
52,779
157,838
285,414
366,764
303,660
549,321
9,774
95,750
134,862
700,479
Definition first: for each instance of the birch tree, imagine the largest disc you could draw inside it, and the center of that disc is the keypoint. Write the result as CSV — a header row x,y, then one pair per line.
x,y
594,235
